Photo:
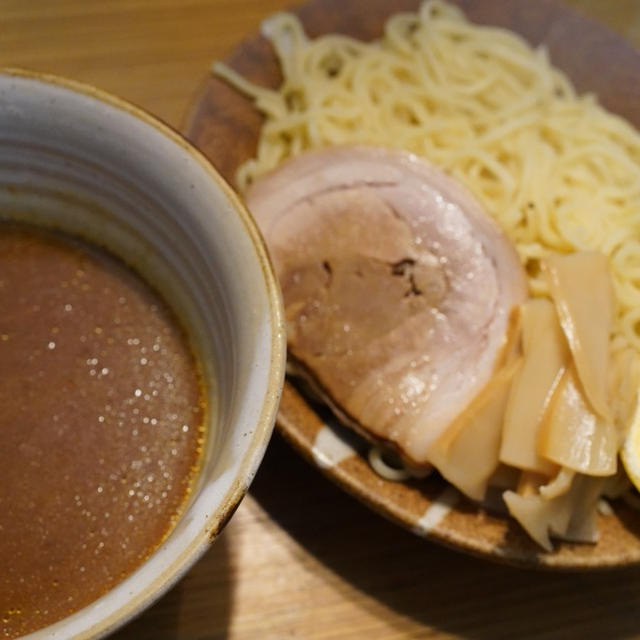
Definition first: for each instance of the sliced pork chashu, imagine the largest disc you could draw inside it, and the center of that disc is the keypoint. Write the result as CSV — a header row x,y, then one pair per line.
x,y
398,288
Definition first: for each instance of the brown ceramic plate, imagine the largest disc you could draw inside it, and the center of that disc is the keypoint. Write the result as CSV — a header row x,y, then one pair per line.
x,y
225,126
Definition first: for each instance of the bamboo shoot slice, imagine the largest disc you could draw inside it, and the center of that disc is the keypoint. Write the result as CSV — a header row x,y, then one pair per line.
x,y
546,355
559,485
576,437
623,389
466,454
581,288
586,492
536,515
569,515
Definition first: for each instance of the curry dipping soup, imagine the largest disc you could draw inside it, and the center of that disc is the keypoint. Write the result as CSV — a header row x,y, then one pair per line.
x,y
101,429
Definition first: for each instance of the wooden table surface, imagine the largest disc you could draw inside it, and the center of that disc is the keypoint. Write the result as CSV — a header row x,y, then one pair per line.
x,y
300,559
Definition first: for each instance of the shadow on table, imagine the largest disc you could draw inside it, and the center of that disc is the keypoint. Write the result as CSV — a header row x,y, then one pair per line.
x,y
189,610
443,589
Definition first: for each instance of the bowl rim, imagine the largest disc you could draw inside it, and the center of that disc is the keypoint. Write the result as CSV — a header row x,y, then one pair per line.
x,y
251,458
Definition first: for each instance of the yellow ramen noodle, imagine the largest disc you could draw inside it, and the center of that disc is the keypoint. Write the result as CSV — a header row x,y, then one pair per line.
x,y
557,171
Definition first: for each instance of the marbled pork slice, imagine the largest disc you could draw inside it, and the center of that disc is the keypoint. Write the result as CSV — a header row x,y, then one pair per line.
x,y
398,288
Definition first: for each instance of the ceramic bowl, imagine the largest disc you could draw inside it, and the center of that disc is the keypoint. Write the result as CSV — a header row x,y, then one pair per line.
x,y
222,118
75,158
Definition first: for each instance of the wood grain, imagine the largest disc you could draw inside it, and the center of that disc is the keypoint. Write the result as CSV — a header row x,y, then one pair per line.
x,y
300,559
151,52
311,563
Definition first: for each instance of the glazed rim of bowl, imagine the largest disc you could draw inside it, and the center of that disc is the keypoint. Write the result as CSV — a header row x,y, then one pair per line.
x,y
252,306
